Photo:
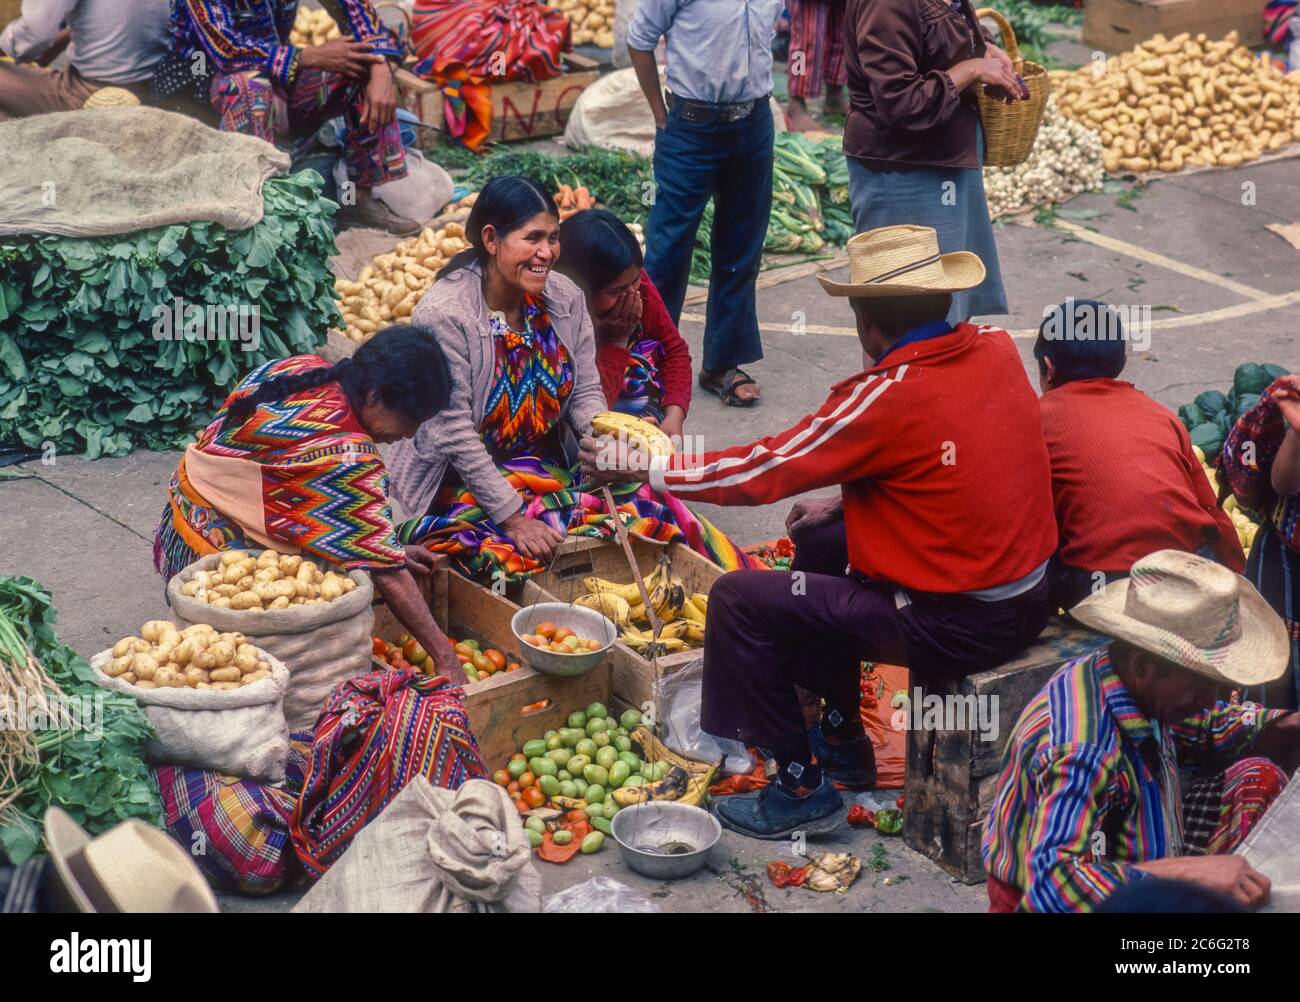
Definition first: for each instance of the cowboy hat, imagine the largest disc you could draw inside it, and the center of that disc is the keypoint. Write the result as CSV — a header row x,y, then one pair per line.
x,y
132,867
904,261
1194,613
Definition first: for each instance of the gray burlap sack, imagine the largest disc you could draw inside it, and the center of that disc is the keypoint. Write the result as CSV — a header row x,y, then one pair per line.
x,y
241,732
321,645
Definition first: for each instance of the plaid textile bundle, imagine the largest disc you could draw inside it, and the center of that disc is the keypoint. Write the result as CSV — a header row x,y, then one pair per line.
x,y
375,733
237,830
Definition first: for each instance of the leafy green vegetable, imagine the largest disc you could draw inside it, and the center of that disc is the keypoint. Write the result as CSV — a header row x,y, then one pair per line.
x,y
1212,403
100,779
80,363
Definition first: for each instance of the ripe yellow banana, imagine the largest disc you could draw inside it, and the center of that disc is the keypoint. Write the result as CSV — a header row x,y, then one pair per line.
x,y
627,592
701,601
638,434
692,612
676,630
672,787
695,633
612,607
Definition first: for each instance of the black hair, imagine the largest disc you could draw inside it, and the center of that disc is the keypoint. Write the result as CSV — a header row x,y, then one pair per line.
x,y
401,367
1084,338
598,248
506,203
895,315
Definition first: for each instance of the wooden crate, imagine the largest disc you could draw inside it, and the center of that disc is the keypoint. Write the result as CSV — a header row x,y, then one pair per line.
x,y
520,110
1119,25
952,775
496,705
634,676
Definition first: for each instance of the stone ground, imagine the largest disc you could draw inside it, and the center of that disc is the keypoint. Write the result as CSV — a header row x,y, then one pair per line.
x,y
1223,290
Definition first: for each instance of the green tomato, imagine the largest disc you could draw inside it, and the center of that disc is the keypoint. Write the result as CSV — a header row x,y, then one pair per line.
x,y
560,756
606,756
661,770
601,824
594,811
550,734
543,767
611,808
534,838
532,749
597,774
577,763
473,643
595,794
562,837
631,758
635,780
586,747
535,824
568,788
593,842
578,719
596,725
580,786
549,785
570,736
629,719
563,775
597,710
554,742
618,773
516,767
602,738
623,743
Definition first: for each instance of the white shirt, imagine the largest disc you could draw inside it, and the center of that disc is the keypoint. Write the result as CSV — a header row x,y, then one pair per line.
x,y
113,41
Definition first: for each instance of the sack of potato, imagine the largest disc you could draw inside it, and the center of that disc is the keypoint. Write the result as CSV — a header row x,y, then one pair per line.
x,y
321,633
215,701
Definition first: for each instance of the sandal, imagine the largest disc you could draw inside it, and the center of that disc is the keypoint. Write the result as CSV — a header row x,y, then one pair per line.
x,y
725,384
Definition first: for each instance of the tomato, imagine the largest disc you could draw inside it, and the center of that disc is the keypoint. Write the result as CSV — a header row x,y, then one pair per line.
x,y
520,756
502,778
593,645
484,664
522,806
378,647
546,630
413,652
513,666
534,796
464,650
578,814
512,787
526,779
496,657
562,632
401,641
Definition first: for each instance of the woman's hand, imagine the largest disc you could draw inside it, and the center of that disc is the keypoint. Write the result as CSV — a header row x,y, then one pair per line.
x,y
991,70
420,560
379,108
406,602
812,512
534,539
1285,476
344,56
672,424
622,319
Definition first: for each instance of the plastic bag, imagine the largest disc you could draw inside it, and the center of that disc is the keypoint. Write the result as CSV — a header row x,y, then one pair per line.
x,y
679,719
599,895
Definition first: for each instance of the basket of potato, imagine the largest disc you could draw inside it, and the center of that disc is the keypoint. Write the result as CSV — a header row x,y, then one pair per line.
x,y
215,701
315,620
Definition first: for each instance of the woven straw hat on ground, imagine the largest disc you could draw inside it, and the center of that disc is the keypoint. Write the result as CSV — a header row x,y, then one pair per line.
x,y
132,867
111,97
1194,613
904,261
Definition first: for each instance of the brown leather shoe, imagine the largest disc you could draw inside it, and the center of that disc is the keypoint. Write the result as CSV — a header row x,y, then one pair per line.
x,y
374,214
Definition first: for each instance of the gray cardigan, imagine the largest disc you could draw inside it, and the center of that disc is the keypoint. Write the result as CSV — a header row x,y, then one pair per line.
x,y
456,312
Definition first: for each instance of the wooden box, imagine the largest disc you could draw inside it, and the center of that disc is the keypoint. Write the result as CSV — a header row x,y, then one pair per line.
x,y
953,774
1119,25
502,709
520,110
634,676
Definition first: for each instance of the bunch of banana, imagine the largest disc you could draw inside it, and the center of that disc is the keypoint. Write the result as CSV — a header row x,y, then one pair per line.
x,y
612,606
681,614
635,433
687,782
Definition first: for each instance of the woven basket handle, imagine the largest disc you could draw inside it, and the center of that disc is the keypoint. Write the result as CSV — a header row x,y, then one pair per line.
x,y
1009,42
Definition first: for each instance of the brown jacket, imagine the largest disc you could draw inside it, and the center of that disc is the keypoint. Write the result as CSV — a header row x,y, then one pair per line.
x,y
903,106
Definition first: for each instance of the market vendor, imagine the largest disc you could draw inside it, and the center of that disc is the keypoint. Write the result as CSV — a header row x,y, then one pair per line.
x,y
1261,461
913,136
110,43
934,554
237,58
1125,481
644,362
492,480
291,462
1090,797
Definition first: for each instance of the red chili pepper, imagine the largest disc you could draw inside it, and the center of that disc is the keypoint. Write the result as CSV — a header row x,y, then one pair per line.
x,y
899,802
860,817
784,875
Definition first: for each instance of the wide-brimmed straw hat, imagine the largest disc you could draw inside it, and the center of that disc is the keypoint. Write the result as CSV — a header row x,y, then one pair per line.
x,y
1194,613
904,261
132,867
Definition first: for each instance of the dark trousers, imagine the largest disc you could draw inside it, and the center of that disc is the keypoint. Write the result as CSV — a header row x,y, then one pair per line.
x,y
811,627
732,162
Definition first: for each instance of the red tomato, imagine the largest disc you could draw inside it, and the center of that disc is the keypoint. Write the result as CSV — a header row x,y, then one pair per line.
x,y
378,647
561,633
502,778
527,780
534,796
546,630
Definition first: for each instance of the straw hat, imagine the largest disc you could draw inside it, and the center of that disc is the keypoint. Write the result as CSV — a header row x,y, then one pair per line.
x,y
132,867
111,97
904,261
1194,613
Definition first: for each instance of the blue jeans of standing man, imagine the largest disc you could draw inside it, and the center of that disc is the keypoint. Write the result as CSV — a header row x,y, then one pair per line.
x,y
732,162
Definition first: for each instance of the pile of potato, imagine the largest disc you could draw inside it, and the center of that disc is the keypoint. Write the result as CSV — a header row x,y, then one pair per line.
x,y
388,288
246,580
197,657
590,21
313,27
1183,101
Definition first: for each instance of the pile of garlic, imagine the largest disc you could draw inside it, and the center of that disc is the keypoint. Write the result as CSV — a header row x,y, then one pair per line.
x,y
1066,160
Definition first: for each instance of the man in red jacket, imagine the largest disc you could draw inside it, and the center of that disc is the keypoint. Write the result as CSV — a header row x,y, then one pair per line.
x,y
935,554
1125,481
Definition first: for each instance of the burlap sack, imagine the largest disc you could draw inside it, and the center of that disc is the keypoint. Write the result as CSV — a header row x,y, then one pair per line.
x,y
321,645
240,732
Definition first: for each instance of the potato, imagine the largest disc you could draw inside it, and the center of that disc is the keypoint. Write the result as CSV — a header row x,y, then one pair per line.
x,y
196,629
256,676
118,666
129,677
145,666
230,557
220,602
205,660
266,574
184,651
267,558
281,602
130,645
225,675
146,684
190,588
246,600
193,676
331,588
289,564
246,660
223,651
155,628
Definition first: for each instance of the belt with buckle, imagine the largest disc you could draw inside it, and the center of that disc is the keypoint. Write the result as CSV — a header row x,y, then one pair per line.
x,y
698,111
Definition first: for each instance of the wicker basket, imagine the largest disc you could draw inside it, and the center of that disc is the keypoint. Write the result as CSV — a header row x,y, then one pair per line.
x,y
1010,129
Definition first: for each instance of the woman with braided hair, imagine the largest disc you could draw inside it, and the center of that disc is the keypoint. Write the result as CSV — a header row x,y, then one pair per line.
x,y
291,462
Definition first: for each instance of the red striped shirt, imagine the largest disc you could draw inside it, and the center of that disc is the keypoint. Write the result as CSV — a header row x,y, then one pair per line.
x,y
939,455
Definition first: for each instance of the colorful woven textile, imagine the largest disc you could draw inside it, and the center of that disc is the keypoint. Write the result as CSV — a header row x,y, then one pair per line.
x,y
534,377
1220,810
643,386
299,473
1264,428
375,733
237,830
463,45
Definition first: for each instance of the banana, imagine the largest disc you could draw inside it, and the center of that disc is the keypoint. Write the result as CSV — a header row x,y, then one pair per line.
x,y
668,598
671,787
695,633
636,612
687,781
654,750
612,607
701,601
627,592
568,803
674,630
638,434
692,611
697,787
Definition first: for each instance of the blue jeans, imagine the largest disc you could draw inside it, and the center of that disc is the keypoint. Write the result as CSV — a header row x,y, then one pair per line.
x,y
732,162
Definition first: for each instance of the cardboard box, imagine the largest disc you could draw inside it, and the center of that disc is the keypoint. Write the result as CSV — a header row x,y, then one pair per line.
x,y
1119,25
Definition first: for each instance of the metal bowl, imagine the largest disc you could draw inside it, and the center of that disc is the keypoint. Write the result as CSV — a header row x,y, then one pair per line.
x,y
665,840
587,623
